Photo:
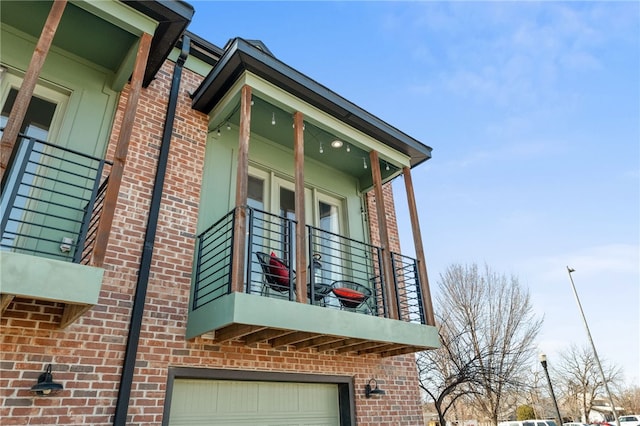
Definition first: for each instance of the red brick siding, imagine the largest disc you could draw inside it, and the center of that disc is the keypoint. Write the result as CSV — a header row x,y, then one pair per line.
x,y
87,356
390,213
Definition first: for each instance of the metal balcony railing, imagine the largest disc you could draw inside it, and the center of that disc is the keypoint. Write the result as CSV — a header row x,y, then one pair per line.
x,y
213,264
407,284
51,201
336,261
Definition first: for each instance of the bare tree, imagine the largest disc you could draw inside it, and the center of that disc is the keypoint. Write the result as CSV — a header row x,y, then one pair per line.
x,y
630,399
449,372
581,380
491,317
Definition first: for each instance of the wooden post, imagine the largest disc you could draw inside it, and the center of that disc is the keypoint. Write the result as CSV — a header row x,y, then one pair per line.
x,y
242,183
392,295
120,156
417,241
301,252
23,98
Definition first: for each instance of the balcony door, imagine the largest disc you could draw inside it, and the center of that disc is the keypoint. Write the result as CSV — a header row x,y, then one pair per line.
x,y
273,230
42,122
283,204
327,243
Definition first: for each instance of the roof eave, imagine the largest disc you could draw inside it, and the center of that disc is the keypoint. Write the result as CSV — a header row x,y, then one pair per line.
x,y
173,17
241,56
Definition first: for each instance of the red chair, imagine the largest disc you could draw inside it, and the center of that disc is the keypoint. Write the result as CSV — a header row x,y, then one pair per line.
x,y
277,275
350,294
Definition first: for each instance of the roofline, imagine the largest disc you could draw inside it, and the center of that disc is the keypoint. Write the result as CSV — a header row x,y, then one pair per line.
x,y
204,50
173,17
240,56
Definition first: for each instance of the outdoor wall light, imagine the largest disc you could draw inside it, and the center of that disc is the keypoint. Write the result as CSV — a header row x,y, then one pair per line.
x,y
46,385
372,388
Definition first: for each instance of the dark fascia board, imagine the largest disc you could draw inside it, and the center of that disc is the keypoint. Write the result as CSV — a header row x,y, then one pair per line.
x,y
173,17
204,50
240,56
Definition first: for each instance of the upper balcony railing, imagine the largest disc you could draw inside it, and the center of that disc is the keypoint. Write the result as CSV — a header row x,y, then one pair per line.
x,y
342,273
51,201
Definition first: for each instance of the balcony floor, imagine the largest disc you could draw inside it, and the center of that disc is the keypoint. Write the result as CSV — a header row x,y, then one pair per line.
x,y
33,277
255,319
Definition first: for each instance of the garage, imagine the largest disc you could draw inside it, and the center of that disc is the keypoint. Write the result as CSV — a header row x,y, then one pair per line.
x,y
201,401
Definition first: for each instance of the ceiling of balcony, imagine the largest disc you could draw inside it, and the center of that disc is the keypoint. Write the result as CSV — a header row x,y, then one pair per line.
x,y
105,33
76,33
348,159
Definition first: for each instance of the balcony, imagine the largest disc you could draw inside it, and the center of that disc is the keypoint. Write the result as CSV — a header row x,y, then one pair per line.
x,y
51,202
346,307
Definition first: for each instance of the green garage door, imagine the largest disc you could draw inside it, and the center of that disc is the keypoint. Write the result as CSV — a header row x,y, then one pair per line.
x,y
245,403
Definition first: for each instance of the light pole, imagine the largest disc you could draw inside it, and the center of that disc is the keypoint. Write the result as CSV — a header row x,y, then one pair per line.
x,y
543,361
595,353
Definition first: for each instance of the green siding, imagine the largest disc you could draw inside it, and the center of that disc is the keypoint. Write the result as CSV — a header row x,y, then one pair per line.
x,y
91,108
219,181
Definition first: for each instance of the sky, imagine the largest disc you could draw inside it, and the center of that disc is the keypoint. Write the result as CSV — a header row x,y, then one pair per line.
x,y
533,113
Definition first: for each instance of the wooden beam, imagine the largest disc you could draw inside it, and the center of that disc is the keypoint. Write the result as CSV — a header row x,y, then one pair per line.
x,y
72,312
339,344
387,266
242,184
317,341
264,335
301,248
401,351
234,331
5,301
120,156
361,347
425,291
386,348
291,339
23,98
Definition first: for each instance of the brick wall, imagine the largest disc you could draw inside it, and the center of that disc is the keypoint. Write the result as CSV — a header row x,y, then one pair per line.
x,y
87,356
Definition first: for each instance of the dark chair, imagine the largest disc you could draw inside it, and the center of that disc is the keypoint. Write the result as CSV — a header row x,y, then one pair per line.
x,y
275,272
350,294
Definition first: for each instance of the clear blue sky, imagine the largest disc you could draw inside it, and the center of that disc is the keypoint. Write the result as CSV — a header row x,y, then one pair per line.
x,y
533,114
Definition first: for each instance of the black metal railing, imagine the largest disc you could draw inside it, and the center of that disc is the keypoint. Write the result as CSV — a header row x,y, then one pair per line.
x,y
48,198
214,254
270,237
407,284
336,262
345,262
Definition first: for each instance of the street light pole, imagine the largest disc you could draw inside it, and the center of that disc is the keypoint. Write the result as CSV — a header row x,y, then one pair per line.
x,y
595,353
543,361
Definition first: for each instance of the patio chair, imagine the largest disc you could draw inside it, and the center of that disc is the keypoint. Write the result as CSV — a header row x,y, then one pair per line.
x,y
275,273
351,295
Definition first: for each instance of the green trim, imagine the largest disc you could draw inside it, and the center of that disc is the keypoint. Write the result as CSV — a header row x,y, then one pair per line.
x,y
192,63
119,14
47,279
250,309
121,76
